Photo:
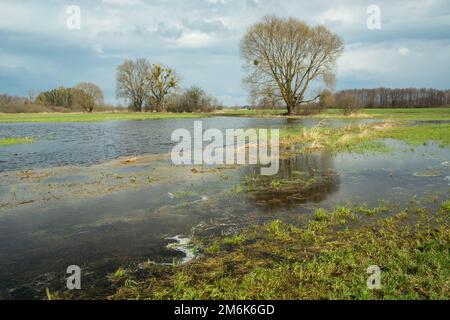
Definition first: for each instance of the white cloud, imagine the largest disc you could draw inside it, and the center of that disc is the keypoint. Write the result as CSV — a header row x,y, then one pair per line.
x,y
404,51
365,59
123,2
98,48
344,16
196,40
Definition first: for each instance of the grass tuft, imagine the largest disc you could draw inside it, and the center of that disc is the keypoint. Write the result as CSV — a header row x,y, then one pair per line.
x,y
15,141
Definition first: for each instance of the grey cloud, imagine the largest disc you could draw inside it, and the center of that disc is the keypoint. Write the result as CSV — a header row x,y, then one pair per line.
x,y
205,26
166,31
150,28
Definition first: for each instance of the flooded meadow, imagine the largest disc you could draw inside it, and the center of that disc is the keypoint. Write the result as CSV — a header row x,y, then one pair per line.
x,y
106,197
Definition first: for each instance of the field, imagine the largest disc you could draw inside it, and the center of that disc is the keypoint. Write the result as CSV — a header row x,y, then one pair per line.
x,y
89,117
365,138
399,114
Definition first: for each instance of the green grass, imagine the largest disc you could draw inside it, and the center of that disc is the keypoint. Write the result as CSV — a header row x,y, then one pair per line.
x,y
15,141
411,113
321,215
417,135
327,258
396,114
91,117
446,207
364,138
354,139
234,240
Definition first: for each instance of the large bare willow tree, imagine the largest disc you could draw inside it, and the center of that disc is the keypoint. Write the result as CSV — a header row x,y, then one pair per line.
x,y
285,56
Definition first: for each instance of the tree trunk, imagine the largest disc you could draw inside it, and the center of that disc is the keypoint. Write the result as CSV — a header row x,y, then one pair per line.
x,y
290,109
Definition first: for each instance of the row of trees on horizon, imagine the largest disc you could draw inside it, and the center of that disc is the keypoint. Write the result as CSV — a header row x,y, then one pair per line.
x,y
400,98
88,97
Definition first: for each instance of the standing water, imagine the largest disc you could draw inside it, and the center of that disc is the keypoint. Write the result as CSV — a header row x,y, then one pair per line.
x,y
79,206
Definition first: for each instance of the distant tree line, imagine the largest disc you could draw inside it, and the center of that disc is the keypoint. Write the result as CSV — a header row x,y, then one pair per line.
x,y
155,88
7,99
84,95
353,100
390,98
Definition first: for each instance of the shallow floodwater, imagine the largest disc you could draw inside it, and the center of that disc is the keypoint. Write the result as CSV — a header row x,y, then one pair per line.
x,y
102,231
85,143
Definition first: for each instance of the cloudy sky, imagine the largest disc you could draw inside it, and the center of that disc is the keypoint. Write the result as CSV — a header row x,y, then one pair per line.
x,y
200,39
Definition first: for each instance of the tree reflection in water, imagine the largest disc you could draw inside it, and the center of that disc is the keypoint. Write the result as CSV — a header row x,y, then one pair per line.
x,y
301,179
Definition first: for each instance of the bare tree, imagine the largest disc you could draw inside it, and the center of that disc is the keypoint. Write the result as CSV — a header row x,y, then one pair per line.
x,y
326,99
83,100
92,90
7,99
348,103
288,55
133,82
162,80
31,95
193,99
265,98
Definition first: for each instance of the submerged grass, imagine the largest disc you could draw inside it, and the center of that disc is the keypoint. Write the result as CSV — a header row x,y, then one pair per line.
x,y
421,134
285,190
325,259
364,138
15,141
356,139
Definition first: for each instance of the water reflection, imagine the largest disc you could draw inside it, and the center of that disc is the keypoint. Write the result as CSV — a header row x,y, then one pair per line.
x,y
301,179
